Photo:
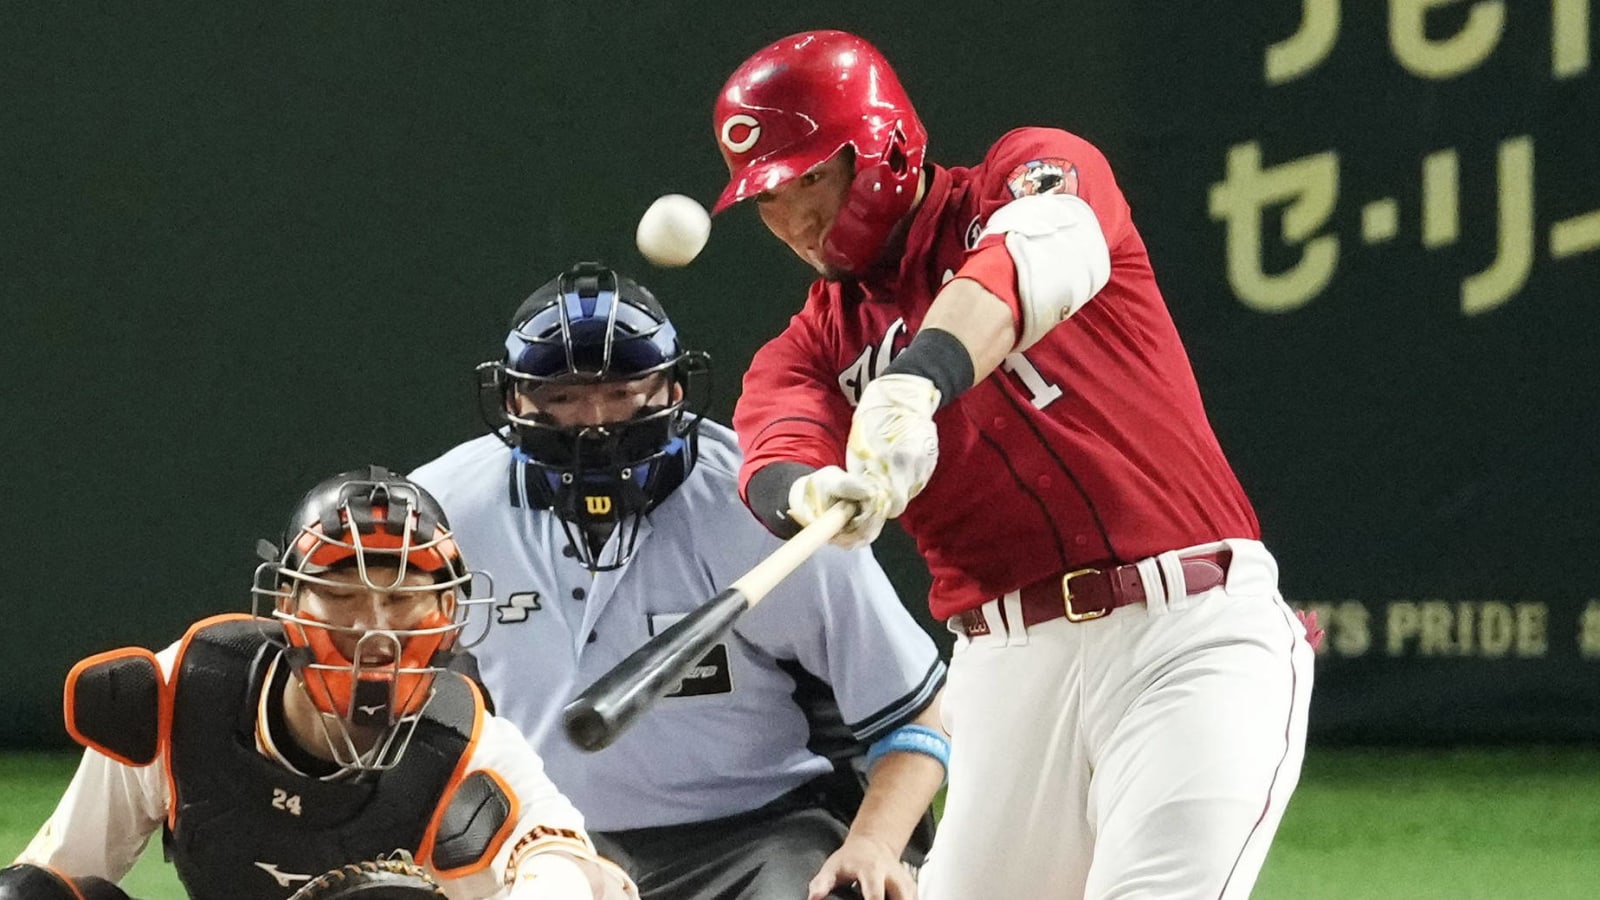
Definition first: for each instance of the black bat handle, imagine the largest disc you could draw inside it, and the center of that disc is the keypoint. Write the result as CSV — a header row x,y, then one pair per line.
x,y
607,707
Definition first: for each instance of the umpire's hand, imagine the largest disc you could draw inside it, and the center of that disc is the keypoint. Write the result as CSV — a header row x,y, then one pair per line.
x,y
871,865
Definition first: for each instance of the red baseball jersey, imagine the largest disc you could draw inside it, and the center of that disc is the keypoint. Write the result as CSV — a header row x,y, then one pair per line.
x,y
1089,448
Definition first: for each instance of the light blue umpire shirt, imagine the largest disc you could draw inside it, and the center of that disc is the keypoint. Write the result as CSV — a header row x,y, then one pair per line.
x,y
730,738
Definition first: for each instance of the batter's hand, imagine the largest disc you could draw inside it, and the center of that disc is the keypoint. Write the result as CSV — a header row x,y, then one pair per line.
x,y
871,865
812,495
893,439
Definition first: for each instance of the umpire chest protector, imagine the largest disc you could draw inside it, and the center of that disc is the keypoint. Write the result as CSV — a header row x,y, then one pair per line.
x,y
243,826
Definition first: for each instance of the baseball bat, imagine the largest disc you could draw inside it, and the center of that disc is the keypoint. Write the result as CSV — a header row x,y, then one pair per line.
x,y
609,706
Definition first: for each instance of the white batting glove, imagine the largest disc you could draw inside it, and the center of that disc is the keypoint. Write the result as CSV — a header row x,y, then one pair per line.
x,y
893,440
812,495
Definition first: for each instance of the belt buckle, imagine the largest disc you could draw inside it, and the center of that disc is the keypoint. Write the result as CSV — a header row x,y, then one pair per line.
x,y
1066,591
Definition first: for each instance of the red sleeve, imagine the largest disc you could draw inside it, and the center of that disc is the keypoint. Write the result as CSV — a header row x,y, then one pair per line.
x,y
791,408
1030,161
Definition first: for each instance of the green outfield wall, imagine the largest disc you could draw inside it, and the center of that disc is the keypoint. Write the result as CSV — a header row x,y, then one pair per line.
x,y
244,248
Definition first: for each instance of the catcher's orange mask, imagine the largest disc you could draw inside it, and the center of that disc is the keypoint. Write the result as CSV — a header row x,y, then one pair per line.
x,y
386,676
370,589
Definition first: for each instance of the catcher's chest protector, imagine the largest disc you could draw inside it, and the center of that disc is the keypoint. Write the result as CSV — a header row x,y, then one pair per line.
x,y
248,829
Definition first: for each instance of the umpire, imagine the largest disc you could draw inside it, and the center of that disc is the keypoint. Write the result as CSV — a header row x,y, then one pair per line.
x,y
605,509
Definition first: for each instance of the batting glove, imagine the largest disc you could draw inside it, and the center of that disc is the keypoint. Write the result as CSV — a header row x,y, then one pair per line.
x,y
812,495
893,440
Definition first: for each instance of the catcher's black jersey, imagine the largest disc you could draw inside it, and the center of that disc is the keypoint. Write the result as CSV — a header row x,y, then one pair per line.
x,y
245,827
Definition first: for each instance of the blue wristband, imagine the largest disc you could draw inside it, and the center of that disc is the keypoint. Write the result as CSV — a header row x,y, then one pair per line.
x,y
911,739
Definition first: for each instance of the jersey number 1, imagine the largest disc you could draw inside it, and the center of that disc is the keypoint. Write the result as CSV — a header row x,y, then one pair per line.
x,y
1042,393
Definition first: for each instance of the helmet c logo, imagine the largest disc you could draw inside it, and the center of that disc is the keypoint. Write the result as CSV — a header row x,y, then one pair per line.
x,y
597,506
740,132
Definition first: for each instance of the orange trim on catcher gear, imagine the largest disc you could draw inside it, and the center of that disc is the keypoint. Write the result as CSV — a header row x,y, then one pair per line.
x,y
170,686
500,836
548,839
163,703
64,878
428,556
429,837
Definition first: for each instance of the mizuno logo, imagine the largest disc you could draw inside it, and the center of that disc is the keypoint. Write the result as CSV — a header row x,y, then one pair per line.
x,y
284,879
370,710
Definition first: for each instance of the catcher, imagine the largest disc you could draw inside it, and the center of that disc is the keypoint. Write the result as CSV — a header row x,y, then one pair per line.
x,y
325,737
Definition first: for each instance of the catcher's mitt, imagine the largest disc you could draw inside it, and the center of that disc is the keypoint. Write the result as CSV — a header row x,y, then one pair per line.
x,y
397,878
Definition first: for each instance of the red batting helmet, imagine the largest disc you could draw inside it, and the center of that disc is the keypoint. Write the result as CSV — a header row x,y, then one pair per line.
x,y
795,104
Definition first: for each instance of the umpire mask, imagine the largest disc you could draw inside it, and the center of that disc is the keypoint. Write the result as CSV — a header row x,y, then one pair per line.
x,y
595,388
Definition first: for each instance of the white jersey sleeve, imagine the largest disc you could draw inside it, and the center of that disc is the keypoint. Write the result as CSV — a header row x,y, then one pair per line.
x,y
107,814
103,821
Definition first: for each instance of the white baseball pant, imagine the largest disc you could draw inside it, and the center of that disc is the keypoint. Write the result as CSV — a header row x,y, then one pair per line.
x,y
1146,754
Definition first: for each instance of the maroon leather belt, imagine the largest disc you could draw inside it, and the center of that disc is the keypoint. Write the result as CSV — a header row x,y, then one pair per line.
x,y
1085,594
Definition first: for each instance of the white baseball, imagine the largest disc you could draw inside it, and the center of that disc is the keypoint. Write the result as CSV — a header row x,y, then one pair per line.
x,y
673,231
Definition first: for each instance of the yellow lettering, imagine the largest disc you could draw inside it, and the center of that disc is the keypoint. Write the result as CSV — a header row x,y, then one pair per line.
x,y
1532,636
597,505
1353,634
1304,50
1579,234
1465,636
1345,626
1493,286
1441,201
1447,57
1380,221
1589,631
1490,630
1569,38
1496,631
1405,622
1435,637
1310,186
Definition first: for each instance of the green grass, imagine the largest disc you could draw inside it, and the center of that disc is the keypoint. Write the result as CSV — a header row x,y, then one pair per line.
x,y
1364,824
31,783
1457,825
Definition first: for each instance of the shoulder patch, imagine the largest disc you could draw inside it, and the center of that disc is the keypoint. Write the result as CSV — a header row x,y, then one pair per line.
x,y
117,703
477,820
1052,175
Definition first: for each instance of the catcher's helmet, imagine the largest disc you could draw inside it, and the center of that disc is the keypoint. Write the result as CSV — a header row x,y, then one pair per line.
x,y
590,325
358,521
797,103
